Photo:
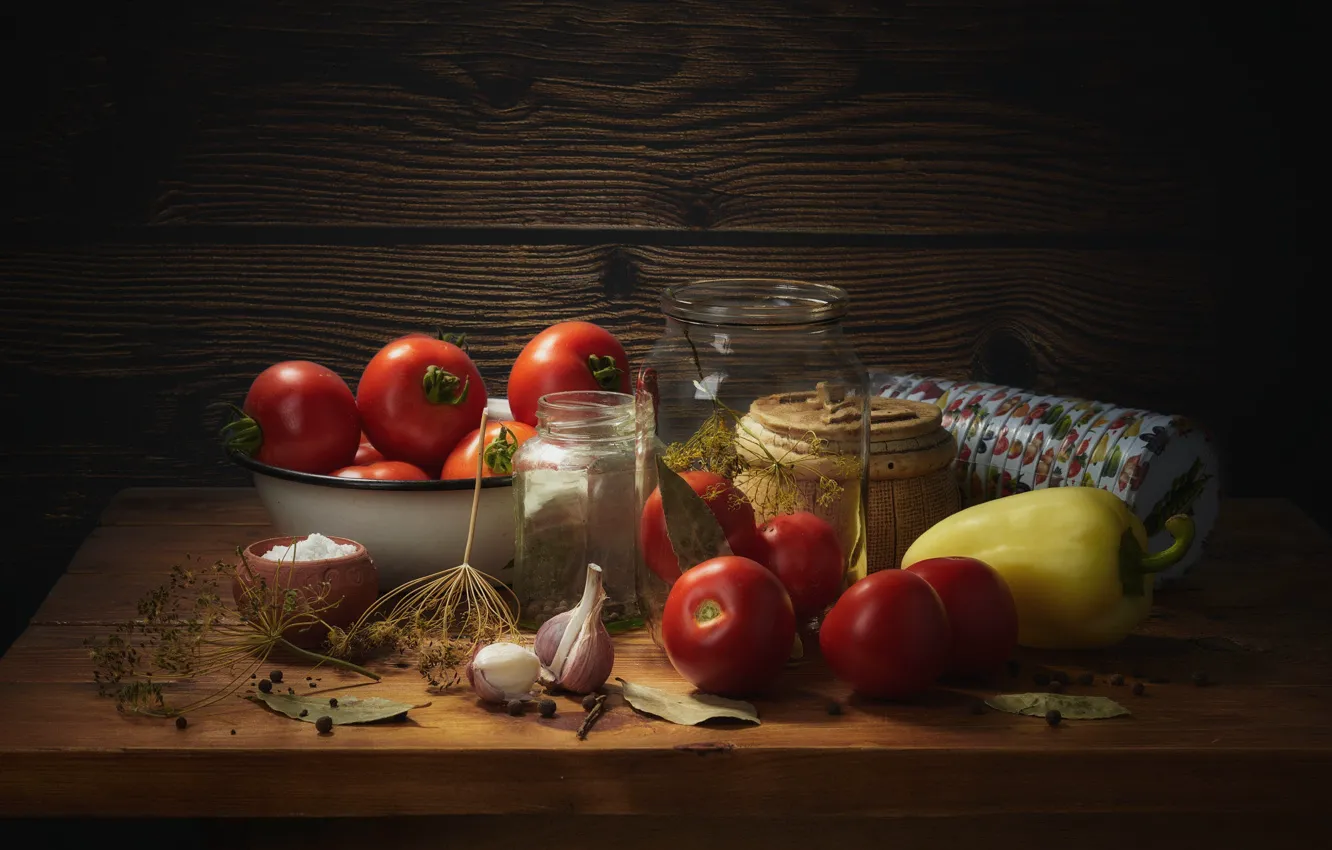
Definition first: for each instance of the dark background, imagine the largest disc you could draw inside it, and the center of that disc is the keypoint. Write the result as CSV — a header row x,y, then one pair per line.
x,y
1105,199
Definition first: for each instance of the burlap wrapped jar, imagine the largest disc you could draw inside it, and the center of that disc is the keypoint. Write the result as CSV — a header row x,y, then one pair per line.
x,y
909,484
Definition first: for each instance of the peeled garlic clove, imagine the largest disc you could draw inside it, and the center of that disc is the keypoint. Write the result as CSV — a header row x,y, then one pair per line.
x,y
549,635
502,671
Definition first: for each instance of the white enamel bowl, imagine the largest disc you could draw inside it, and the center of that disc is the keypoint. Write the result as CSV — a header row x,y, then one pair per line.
x,y
411,528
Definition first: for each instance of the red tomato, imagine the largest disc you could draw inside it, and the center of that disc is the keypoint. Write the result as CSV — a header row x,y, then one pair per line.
x,y
502,439
384,470
887,636
366,454
728,505
418,396
803,551
566,356
981,612
728,626
300,416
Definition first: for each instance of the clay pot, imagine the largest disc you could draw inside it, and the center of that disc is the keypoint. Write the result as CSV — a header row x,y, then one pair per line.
x,y
353,584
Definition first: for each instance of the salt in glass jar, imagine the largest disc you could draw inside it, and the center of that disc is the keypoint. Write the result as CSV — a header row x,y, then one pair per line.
x,y
574,496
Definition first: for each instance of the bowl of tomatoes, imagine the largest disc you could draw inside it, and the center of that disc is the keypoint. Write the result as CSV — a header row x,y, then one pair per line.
x,y
412,526
394,465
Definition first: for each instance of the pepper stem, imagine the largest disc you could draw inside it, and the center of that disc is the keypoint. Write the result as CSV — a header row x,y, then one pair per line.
x,y
604,370
442,386
1180,527
1134,563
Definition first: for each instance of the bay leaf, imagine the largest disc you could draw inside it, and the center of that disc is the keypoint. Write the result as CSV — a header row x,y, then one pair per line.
x,y
1069,706
349,710
691,527
685,709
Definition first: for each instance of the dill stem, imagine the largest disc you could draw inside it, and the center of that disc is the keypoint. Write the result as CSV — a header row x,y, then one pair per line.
x,y
325,659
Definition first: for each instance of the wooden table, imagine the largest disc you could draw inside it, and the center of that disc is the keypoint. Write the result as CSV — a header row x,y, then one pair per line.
x,y
1242,760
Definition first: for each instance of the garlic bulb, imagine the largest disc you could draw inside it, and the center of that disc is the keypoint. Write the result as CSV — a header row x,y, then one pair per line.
x,y
500,672
574,647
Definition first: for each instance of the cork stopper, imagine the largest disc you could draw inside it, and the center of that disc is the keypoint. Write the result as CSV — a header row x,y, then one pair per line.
x,y
907,438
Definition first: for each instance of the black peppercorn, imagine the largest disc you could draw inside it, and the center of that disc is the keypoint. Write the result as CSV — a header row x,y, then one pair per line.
x,y
233,731
834,707
1041,678
265,686
252,676
1059,676
515,707
547,707
1056,687
1200,678
1053,717
276,676
305,712
181,722
589,702
324,724
1117,679
332,702
1139,689
1086,679
313,685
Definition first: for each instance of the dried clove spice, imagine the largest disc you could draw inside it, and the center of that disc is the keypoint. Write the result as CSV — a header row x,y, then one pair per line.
x,y
592,717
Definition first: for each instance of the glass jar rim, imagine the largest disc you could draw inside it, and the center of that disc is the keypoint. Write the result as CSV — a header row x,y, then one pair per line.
x,y
754,301
585,414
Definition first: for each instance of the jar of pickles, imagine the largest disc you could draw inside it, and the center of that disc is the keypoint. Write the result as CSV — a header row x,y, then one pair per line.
x,y
755,396
574,495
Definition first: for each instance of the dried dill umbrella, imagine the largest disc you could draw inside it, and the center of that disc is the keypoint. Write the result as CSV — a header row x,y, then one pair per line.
x,y
185,630
726,444
441,616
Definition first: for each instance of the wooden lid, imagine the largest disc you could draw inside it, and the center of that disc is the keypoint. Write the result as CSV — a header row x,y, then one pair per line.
x,y
907,438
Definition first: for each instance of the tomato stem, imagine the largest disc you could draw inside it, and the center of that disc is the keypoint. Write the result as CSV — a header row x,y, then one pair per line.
x,y
707,611
442,386
499,454
458,339
242,434
604,370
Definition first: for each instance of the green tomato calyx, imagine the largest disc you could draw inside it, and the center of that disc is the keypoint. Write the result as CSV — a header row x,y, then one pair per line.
x,y
604,370
443,387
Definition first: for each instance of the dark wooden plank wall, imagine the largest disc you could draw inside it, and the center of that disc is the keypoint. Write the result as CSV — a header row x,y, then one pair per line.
x,y
1088,197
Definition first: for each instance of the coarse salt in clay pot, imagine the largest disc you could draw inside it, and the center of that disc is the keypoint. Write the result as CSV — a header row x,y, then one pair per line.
x,y
353,583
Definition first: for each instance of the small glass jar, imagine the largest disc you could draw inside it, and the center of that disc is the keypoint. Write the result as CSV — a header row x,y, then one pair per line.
x,y
741,368
574,493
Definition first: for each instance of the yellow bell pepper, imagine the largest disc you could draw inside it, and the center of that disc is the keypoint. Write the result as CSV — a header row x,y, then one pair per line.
x,y
1075,559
